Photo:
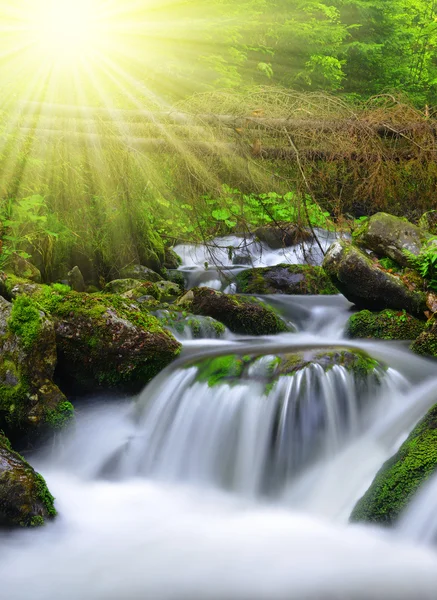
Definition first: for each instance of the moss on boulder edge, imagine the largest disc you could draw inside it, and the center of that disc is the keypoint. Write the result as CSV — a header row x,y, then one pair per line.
x,y
25,500
244,315
285,279
385,325
362,282
401,476
106,340
29,400
426,343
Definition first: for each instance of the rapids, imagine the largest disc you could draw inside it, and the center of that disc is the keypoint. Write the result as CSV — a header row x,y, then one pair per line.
x,y
181,494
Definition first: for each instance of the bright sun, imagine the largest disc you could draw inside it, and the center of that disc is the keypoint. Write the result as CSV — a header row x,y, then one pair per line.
x,y
67,30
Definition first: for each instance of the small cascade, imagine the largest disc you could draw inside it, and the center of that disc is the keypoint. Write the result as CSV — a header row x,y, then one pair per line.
x,y
252,433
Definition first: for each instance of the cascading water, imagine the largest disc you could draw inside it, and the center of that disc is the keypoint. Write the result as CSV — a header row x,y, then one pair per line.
x,y
236,490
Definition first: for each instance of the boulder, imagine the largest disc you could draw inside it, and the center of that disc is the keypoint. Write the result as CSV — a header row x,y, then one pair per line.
x,y
133,288
76,280
401,476
169,290
194,326
107,340
385,325
176,277
239,313
24,269
285,279
24,497
283,235
171,259
426,342
428,222
390,236
141,273
29,400
362,282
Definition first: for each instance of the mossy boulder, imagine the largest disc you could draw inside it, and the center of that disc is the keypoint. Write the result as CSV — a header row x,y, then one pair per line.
x,y
401,476
231,369
25,500
171,259
23,268
283,235
176,277
29,400
385,325
194,326
240,314
365,284
106,340
390,236
141,273
285,279
426,342
169,291
133,288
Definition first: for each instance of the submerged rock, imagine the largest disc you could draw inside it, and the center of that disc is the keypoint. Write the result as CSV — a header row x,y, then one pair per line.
x,y
240,314
283,235
76,280
401,476
390,236
385,325
106,340
29,399
285,279
24,498
141,273
362,282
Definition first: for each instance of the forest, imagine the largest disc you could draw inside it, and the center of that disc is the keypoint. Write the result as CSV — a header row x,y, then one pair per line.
x,y
218,299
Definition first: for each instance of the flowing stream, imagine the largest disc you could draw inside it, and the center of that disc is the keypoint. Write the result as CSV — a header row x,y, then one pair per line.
x,y
235,491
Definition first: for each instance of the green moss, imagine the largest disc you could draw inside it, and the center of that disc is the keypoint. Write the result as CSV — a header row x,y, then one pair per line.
x,y
37,521
385,325
60,416
44,495
25,320
390,265
401,476
222,369
288,279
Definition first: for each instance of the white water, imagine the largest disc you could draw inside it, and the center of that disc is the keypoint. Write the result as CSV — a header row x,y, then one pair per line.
x,y
181,495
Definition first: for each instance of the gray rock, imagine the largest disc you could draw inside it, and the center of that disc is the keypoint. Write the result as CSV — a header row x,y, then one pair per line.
x,y
140,272
76,280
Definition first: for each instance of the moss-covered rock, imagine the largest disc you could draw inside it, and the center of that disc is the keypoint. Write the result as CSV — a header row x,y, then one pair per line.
x,y
365,284
428,222
76,280
426,343
197,327
240,314
136,287
141,273
171,259
285,279
176,277
401,476
283,234
169,291
390,236
24,497
385,325
106,340
29,400
23,268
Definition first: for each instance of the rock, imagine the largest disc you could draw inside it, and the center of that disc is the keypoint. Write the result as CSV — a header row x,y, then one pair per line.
x,y
426,343
240,314
196,327
285,279
24,269
107,340
428,222
133,288
401,476
75,280
29,400
241,259
283,235
176,277
24,498
141,273
390,236
169,291
385,325
171,259
362,282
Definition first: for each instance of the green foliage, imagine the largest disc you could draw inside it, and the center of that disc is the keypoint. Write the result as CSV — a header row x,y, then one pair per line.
x,y
425,263
25,320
